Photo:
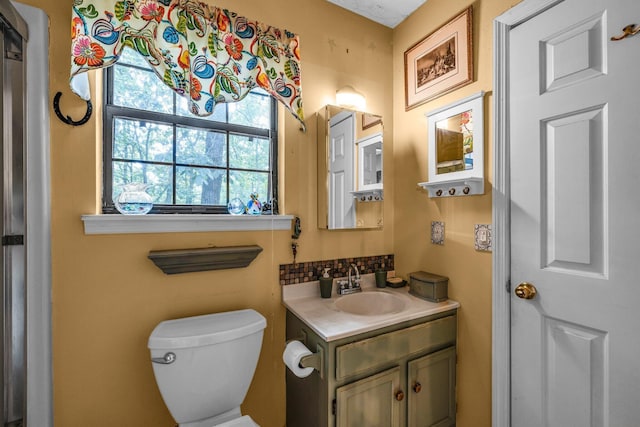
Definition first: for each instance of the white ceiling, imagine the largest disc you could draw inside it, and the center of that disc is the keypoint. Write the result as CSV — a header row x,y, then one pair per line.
x,y
385,12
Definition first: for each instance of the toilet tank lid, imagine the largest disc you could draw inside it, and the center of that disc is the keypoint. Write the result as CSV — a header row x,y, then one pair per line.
x,y
207,329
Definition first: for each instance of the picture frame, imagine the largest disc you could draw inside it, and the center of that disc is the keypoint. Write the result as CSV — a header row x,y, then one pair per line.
x,y
370,120
440,62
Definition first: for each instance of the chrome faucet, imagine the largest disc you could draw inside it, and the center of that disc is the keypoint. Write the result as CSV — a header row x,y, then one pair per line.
x,y
351,285
354,282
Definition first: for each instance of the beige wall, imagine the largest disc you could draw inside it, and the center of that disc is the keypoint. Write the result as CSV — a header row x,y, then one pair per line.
x,y
469,271
107,296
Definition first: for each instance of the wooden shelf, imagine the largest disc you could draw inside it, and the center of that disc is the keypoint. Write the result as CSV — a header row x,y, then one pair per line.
x,y
204,259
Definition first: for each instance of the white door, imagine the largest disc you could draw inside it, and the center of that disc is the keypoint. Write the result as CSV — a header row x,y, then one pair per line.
x,y
341,171
574,99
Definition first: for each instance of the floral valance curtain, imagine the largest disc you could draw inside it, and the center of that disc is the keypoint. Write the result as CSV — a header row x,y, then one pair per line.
x,y
207,54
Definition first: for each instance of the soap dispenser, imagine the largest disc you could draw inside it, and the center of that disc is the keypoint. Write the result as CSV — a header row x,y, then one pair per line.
x,y
326,284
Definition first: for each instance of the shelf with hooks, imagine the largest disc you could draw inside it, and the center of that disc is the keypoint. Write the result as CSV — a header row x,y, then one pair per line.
x,y
368,195
454,187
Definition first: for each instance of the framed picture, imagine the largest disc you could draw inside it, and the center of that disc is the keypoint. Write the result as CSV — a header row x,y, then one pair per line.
x,y
441,62
370,120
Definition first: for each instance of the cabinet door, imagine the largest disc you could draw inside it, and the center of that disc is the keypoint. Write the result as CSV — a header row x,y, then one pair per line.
x,y
375,401
431,386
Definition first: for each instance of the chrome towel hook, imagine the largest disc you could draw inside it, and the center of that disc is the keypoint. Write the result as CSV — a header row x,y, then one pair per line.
x,y
627,31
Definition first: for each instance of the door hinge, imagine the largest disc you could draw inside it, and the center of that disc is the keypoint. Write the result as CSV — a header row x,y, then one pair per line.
x,y
16,56
13,240
333,407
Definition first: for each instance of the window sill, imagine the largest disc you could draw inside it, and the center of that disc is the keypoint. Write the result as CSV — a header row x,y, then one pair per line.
x,y
187,223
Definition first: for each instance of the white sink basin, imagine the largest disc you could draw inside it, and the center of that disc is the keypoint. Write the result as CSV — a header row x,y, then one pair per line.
x,y
370,303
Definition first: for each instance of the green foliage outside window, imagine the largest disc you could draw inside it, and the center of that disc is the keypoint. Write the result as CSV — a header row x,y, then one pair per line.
x,y
191,162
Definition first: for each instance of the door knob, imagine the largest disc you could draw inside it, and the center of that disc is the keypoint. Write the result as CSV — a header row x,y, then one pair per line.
x,y
526,290
399,395
417,387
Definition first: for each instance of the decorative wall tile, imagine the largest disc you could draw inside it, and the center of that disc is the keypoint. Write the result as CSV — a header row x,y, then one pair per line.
x,y
302,272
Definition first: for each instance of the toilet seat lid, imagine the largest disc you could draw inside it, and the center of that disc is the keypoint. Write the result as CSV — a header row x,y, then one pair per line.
x,y
245,421
204,330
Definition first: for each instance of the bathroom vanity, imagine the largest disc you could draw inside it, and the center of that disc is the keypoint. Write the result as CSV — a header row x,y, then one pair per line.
x,y
388,369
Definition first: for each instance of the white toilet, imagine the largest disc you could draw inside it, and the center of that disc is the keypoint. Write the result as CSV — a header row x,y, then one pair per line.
x,y
204,365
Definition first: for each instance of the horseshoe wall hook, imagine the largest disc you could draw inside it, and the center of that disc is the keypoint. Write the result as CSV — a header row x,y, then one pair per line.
x,y
66,119
627,31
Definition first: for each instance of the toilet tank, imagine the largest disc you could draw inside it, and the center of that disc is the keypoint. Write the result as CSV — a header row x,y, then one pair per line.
x,y
215,359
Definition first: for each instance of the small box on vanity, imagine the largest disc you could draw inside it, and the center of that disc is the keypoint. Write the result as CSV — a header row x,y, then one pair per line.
x,y
429,286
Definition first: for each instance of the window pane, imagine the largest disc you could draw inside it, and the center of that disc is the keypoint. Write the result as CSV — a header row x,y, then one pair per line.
x,y
201,186
242,184
130,56
141,89
139,140
201,147
247,152
254,110
189,160
159,176
219,111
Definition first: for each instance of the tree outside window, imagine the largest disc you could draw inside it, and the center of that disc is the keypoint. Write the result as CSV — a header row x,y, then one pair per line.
x,y
192,164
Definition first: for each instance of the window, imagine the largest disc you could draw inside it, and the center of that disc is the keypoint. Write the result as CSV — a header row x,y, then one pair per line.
x,y
192,164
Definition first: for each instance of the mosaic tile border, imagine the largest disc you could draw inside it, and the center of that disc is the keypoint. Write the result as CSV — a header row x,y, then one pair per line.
x,y
302,272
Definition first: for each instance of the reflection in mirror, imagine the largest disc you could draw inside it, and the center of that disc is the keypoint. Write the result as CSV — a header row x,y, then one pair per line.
x,y
454,141
350,169
370,163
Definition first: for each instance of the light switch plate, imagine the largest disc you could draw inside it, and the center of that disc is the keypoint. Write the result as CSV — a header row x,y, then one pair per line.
x,y
483,237
437,232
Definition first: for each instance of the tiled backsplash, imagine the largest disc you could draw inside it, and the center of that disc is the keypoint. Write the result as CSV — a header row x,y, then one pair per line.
x,y
302,272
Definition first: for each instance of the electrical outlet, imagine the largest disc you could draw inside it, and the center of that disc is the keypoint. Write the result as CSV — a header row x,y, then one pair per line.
x,y
437,232
483,237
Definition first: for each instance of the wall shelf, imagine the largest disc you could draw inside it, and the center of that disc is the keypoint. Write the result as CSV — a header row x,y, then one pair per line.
x,y
204,259
454,187
368,195
456,148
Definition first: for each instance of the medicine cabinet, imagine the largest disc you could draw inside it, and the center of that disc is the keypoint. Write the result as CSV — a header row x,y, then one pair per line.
x,y
456,148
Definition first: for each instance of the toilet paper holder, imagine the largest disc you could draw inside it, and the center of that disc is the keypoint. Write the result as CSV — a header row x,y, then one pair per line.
x,y
315,360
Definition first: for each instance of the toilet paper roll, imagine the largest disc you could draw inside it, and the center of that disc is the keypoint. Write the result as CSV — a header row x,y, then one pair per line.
x,y
293,354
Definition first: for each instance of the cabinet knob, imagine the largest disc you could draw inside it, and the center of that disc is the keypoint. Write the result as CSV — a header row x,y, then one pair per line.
x,y
399,395
417,387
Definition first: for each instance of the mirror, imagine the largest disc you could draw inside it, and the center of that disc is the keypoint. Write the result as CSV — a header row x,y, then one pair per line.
x,y
350,169
454,143
456,148
370,163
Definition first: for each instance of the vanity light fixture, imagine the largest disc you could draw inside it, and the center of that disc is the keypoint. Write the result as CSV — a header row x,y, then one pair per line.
x,y
348,97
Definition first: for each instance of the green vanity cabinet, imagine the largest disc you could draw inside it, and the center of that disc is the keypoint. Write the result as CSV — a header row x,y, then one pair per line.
x,y
431,384
368,402
399,375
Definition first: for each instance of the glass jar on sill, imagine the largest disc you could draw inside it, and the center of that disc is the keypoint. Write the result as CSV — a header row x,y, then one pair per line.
x,y
134,199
